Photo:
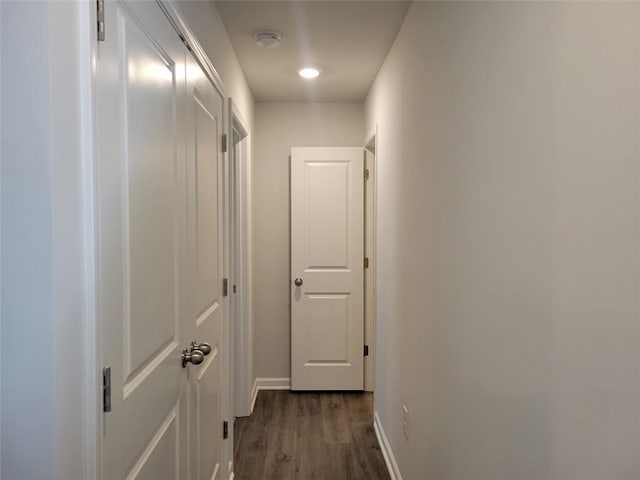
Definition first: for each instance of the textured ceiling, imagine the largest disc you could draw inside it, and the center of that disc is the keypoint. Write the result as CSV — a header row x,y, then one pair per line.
x,y
346,40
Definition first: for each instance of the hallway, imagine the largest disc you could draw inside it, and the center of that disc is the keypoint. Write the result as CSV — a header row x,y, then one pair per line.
x,y
309,436
223,221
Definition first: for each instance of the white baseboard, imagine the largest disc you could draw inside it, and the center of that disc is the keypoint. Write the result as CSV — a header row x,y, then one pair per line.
x,y
387,453
254,394
268,384
273,383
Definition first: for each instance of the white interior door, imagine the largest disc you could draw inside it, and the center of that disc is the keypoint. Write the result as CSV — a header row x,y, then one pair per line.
x,y
206,257
327,243
160,213
140,171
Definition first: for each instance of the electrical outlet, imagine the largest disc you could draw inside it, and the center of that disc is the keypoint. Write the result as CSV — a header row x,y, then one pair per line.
x,y
405,421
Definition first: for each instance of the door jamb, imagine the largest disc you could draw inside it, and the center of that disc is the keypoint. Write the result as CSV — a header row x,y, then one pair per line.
x,y
371,145
93,351
242,331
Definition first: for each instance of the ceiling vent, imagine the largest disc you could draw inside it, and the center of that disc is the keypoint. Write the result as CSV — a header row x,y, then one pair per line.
x,y
268,39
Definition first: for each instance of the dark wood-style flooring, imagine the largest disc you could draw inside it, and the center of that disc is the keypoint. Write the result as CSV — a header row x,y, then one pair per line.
x,y
309,436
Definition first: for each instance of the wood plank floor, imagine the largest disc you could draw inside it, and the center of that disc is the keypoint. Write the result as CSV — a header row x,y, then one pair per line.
x,y
309,436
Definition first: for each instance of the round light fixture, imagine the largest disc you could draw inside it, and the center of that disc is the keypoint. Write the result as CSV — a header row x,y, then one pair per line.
x,y
268,39
308,72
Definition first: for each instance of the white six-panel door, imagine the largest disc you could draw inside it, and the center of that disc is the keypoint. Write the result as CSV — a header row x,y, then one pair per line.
x,y
160,250
327,235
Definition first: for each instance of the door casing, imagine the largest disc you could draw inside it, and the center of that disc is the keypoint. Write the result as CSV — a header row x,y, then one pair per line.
x,y
370,251
240,274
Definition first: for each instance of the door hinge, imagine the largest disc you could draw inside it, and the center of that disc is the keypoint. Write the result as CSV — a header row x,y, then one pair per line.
x,y
366,262
225,430
100,19
224,143
366,174
225,287
234,289
106,389
366,350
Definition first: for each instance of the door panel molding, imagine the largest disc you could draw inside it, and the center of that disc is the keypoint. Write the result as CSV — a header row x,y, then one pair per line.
x,y
153,447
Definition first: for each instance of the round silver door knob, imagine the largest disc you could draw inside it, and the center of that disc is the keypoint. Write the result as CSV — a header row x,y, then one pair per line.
x,y
203,347
195,357
298,282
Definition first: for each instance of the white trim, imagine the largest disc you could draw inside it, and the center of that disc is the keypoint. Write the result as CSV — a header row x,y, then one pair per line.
x,y
371,146
387,453
92,351
273,383
268,384
227,389
238,121
254,394
182,27
1,376
242,341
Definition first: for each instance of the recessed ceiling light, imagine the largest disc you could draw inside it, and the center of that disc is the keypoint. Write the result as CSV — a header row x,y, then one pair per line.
x,y
308,72
268,39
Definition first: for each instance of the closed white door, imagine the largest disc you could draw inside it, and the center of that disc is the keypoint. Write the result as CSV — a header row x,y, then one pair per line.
x,y
327,239
141,219
160,178
207,303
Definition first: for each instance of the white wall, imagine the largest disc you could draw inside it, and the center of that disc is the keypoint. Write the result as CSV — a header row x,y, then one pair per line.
x,y
44,433
278,127
508,241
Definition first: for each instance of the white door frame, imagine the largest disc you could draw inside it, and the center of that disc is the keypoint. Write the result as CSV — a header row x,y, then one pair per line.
x,y
242,328
371,145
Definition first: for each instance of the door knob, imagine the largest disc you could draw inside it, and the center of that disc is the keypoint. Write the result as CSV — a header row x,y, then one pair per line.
x,y
298,282
205,348
196,357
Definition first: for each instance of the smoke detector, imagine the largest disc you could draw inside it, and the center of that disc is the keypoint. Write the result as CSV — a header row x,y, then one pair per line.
x,y
268,39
